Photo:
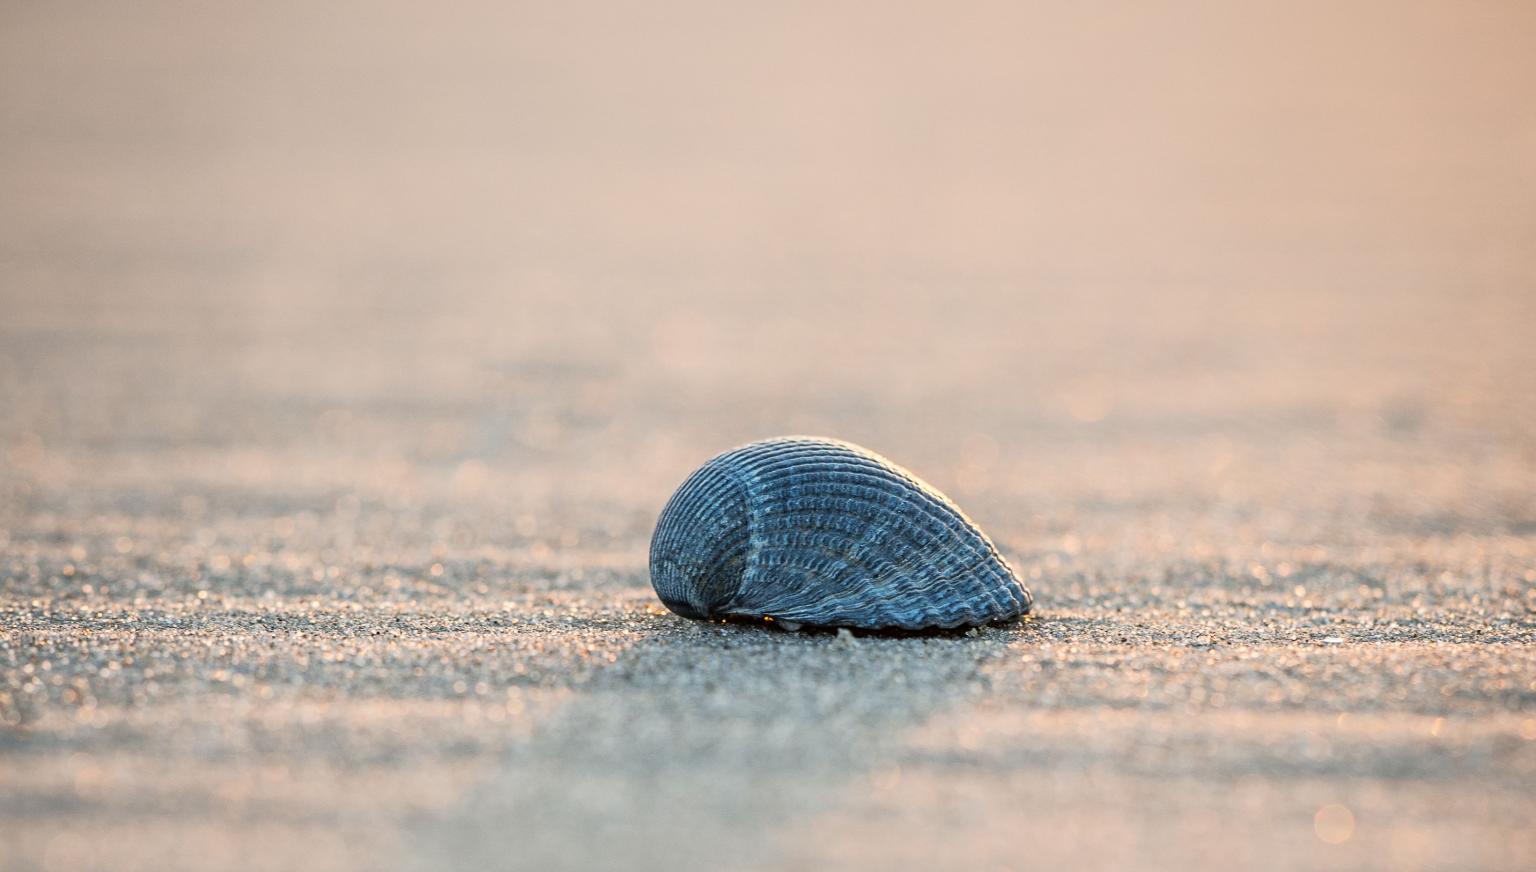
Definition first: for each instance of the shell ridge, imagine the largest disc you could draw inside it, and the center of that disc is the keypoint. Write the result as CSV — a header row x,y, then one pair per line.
x,y
916,542
823,531
887,580
896,585
761,557
710,492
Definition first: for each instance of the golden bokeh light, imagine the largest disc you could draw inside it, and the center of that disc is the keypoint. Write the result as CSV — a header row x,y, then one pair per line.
x,y
1334,824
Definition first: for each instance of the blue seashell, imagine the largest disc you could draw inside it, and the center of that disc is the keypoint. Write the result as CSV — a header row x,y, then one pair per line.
x,y
822,532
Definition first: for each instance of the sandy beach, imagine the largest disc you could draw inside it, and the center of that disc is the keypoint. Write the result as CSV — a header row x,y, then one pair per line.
x,y
347,356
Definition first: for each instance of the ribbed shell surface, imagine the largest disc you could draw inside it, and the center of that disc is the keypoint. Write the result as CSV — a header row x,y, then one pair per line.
x,y
824,532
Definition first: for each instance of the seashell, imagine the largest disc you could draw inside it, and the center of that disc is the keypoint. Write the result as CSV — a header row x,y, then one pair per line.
x,y
821,532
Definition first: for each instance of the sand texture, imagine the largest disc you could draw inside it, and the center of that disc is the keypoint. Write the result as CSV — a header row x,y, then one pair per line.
x,y
349,352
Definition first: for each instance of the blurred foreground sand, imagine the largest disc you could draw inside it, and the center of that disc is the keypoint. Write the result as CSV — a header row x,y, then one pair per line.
x,y
347,355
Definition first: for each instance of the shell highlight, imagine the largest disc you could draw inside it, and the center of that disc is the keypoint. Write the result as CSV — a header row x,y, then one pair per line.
x,y
821,532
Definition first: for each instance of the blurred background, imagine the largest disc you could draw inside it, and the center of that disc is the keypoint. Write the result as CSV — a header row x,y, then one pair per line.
x,y
426,308
589,235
